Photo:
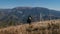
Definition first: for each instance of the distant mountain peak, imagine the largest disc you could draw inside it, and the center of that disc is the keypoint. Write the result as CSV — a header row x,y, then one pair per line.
x,y
20,14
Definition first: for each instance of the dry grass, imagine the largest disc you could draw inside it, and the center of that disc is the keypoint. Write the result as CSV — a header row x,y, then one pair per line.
x,y
44,27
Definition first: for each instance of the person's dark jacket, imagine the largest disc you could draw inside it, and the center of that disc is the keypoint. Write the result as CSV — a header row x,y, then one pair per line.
x,y
29,20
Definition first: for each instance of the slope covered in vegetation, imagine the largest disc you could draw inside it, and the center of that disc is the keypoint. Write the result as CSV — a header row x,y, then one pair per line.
x,y
43,27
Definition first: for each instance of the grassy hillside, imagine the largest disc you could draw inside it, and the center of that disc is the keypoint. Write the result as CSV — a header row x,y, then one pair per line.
x,y
43,27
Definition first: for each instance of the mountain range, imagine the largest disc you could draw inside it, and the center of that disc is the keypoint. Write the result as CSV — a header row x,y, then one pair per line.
x,y
19,15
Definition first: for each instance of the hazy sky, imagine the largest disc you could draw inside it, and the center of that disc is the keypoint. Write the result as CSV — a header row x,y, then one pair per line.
x,y
51,4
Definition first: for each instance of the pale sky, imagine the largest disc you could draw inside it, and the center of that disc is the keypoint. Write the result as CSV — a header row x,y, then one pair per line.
x,y
51,4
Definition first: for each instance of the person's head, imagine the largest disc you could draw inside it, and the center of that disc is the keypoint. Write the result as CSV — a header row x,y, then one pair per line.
x,y
30,17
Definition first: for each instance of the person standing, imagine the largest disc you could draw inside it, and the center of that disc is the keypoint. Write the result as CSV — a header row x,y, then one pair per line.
x,y
29,20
